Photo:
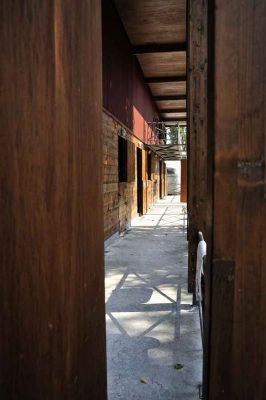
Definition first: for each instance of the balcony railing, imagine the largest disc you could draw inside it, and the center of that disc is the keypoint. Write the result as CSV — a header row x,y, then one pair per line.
x,y
159,134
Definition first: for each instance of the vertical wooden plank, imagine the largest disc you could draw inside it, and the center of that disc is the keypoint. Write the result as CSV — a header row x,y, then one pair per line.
x,y
52,339
197,129
164,179
208,282
161,179
144,181
200,153
238,302
131,161
139,180
224,232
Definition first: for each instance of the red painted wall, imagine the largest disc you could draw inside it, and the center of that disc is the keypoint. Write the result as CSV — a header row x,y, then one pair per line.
x,y
125,93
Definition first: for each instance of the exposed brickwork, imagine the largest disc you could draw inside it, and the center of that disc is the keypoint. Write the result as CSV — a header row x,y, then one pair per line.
x,y
110,176
120,199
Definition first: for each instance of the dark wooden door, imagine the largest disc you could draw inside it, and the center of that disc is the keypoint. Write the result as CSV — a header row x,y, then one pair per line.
x,y
139,181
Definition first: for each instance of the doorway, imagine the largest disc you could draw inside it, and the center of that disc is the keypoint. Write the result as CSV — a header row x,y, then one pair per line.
x,y
139,182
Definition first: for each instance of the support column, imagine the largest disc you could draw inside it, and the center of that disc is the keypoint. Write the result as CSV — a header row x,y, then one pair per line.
x,y
238,254
52,337
197,129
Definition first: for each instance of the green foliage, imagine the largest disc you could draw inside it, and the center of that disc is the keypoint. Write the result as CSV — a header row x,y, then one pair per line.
x,y
177,134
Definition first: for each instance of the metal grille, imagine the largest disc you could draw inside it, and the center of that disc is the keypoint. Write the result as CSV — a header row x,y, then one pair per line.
x,y
166,142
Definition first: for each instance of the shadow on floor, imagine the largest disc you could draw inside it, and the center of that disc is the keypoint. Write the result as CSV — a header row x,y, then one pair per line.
x,y
151,322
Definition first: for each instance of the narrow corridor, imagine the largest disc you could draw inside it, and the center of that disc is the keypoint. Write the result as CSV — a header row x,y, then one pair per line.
x,y
151,322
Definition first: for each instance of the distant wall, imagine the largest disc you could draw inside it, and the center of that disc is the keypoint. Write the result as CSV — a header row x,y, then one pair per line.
x,y
174,180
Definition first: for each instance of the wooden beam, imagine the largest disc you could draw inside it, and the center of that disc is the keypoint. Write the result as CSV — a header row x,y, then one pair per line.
x,y
169,125
177,119
172,110
159,48
171,97
165,79
197,132
172,122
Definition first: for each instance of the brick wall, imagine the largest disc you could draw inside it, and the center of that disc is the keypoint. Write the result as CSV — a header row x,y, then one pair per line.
x,y
120,198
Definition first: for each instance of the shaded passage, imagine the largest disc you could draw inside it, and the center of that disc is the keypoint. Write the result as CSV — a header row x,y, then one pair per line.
x,y
151,322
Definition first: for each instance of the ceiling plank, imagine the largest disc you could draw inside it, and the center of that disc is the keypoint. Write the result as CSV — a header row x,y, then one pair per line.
x,y
167,104
153,21
168,88
163,64
173,116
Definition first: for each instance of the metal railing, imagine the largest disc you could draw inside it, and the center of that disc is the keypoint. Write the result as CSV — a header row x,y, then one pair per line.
x,y
159,134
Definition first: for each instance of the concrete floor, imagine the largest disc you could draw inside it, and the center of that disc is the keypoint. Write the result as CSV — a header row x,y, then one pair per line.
x,y
151,323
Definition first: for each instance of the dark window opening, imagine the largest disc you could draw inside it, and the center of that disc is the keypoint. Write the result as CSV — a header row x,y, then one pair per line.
x,y
149,166
122,159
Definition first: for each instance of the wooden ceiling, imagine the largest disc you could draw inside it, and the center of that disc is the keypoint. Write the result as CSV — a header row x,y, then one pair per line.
x,y
171,105
163,64
157,31
168,88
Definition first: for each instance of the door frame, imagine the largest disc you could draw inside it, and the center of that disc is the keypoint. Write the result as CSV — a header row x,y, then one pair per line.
x,y
139,182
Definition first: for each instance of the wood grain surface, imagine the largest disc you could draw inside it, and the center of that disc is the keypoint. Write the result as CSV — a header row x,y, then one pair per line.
x,y
154,21
52,337
238,302
197,129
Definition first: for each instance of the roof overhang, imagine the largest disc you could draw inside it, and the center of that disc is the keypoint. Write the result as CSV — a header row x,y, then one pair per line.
x,y
157,32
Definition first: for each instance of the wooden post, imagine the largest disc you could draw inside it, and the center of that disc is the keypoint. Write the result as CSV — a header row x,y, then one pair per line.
x,y
238,254
197,129
200,152
52,337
